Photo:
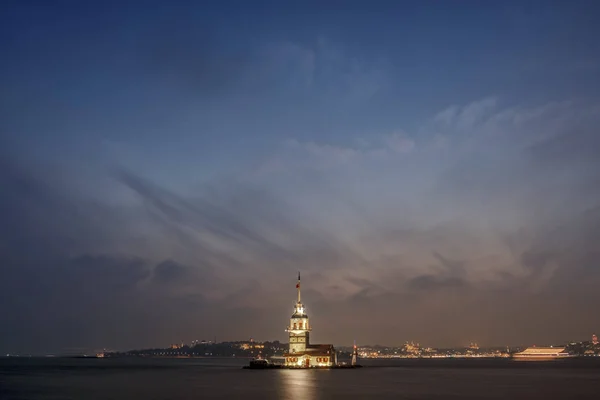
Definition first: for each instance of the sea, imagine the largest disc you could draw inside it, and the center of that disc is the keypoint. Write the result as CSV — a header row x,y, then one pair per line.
x,y
210,378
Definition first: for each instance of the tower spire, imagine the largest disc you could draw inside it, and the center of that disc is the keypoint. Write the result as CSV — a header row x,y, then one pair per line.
x,y
298,286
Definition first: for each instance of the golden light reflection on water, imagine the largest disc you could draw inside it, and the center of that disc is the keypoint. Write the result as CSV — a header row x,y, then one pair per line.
x,y
297,384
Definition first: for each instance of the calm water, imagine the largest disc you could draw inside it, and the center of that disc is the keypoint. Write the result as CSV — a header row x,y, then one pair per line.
x,y
149,379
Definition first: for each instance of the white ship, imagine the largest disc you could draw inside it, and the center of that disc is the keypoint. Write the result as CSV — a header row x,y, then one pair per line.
x,y
542,353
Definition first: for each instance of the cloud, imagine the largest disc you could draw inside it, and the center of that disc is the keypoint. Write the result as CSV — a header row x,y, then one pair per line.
x,y
502,227
318,155
476,222
432,282
399,143
170,271
466,117
520,175
457,134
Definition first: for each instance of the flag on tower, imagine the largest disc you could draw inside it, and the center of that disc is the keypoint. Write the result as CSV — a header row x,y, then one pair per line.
x,y
298,285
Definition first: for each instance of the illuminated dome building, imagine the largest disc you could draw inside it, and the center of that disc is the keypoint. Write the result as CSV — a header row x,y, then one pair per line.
x,y
301,353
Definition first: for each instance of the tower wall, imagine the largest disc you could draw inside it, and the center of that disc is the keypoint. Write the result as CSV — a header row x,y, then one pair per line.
x,y
299,335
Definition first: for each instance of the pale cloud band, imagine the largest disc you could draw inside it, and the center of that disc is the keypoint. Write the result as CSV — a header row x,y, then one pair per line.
x,y
395,225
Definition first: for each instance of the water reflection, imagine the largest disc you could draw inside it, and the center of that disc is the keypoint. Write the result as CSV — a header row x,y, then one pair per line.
x,y
297,384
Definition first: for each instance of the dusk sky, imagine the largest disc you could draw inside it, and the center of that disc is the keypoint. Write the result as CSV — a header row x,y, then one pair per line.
x,y
167,167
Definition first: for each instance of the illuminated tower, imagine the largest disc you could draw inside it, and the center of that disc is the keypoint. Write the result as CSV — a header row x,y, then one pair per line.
x,y
298,329
354,354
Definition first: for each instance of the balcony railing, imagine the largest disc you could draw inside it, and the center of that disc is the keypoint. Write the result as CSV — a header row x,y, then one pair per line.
x,y
297,329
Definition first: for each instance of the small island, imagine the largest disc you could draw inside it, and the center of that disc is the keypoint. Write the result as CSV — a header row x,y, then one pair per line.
x,y
301,353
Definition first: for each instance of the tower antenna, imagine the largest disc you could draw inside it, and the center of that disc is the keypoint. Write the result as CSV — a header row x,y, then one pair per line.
x,y
298,286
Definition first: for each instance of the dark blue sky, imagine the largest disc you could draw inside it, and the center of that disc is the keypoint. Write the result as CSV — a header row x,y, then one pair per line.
x,y
418,158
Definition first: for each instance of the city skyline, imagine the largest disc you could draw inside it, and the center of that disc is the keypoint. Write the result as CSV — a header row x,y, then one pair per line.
x,y
166,170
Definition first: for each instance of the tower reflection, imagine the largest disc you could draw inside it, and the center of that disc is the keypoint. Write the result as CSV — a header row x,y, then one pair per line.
x,y
297,384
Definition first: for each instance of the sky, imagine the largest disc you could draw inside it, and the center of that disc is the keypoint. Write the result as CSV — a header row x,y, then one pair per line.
x,y
167,168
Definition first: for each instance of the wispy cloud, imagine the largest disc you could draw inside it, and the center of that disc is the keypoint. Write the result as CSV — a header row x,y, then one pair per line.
x,y
388,223
466,117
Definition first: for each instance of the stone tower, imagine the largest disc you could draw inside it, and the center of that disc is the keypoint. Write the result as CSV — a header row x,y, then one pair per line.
x,y
299,329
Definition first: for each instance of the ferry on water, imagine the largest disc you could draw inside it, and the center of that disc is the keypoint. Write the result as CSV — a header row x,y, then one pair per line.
x,y
542,354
